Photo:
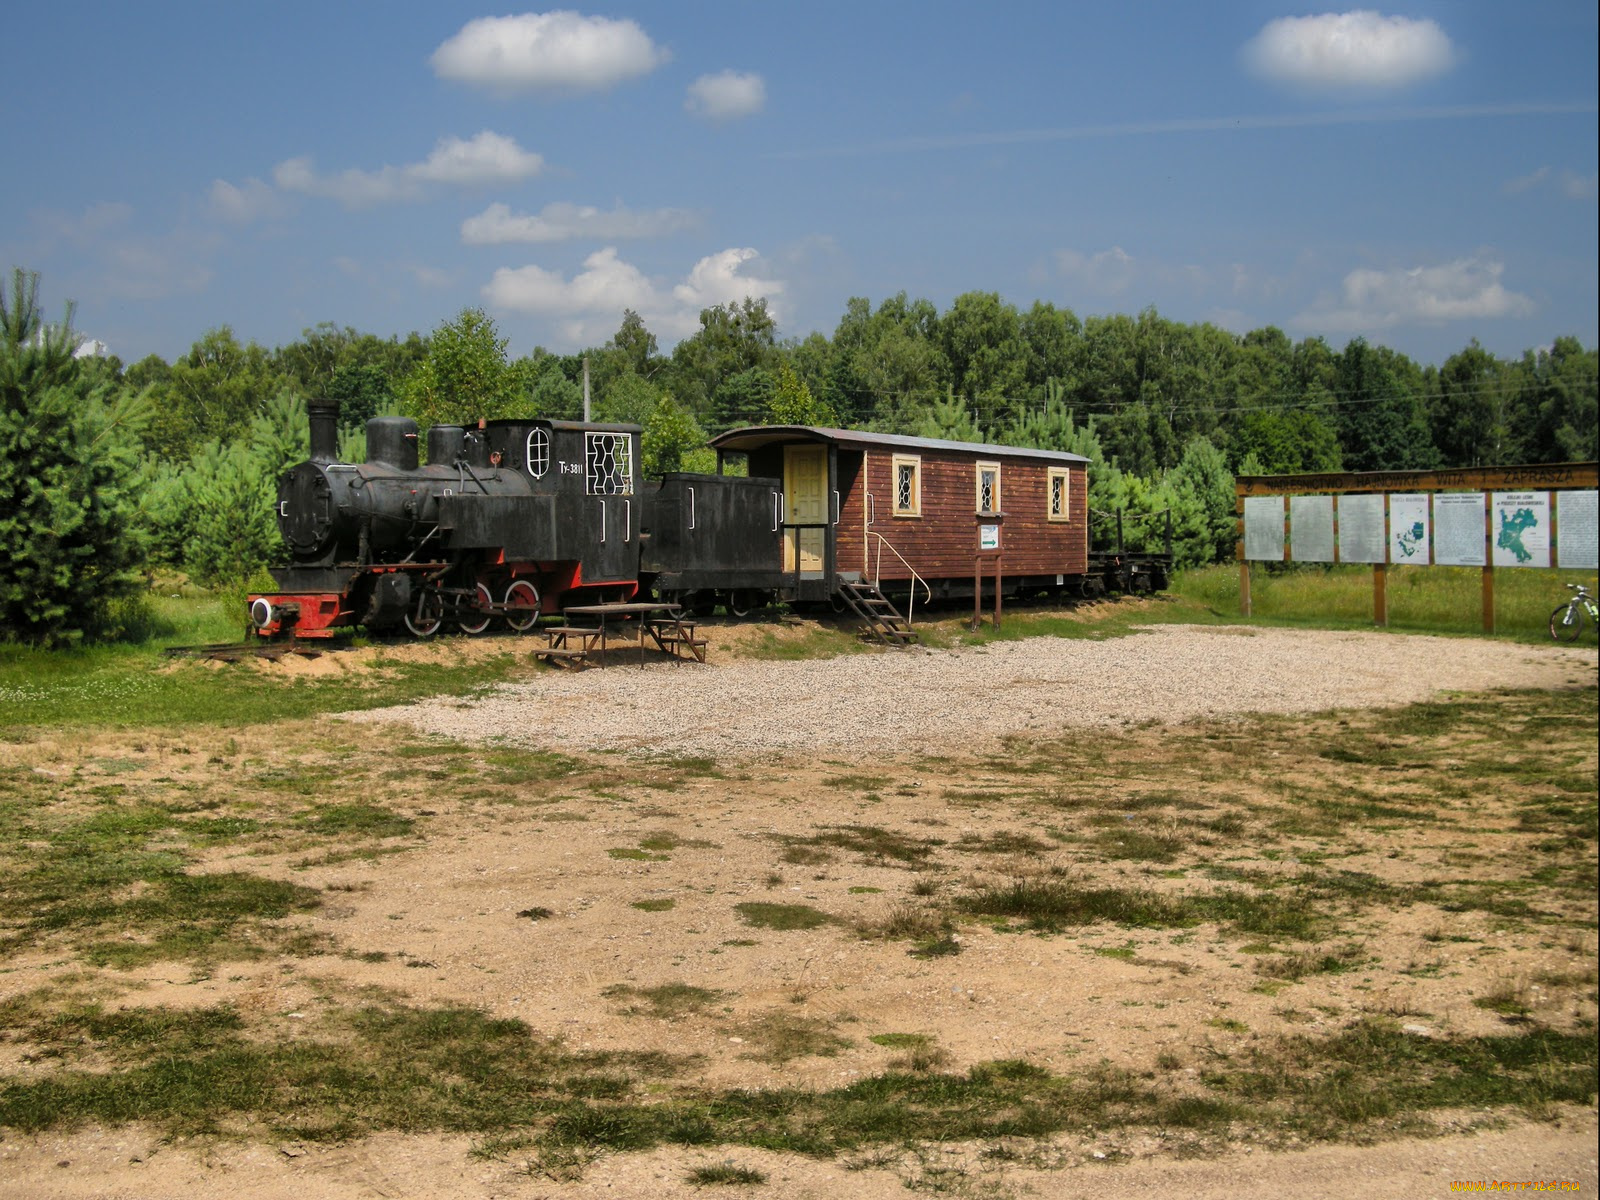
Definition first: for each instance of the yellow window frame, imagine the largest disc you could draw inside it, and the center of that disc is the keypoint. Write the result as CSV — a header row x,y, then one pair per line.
x,y
1063,477
912,507
993,507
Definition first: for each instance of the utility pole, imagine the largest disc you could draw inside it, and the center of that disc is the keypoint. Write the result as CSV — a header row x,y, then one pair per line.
x,y
586,389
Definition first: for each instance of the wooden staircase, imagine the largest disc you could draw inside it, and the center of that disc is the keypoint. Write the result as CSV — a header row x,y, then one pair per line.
x,y
884,622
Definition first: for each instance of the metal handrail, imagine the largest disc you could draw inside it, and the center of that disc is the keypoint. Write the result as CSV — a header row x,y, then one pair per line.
x,y
877,574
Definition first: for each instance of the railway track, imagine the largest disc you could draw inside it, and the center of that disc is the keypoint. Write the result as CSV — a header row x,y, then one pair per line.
x,y
237,651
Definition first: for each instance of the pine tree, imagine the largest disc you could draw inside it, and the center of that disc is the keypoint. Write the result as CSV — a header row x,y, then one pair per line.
x,y
70,546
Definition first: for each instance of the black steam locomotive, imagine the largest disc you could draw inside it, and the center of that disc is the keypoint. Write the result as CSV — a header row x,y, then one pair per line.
x,y
506,521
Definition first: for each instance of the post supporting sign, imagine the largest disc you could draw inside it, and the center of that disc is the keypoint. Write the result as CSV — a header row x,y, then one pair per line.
x,y
1484,517
988,549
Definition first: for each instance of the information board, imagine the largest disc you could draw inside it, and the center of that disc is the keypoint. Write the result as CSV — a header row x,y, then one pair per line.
x,y
1361,529
1521,529
1263,528
1458,529
1576,524
1409,524
1311,528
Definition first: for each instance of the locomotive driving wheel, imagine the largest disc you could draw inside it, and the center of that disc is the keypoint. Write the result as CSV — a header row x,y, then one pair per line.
x,y
475,617
522,606
426,615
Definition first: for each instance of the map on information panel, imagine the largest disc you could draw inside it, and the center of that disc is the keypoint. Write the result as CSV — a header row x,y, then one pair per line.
x,y
1408,528
1521,529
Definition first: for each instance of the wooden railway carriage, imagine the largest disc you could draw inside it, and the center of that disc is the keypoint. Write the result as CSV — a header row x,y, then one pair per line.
x,y
826,508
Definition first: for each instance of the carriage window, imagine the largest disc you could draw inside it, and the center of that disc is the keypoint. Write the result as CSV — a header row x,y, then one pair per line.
x,y
1059,494
538,452
907,486
610,464
988,488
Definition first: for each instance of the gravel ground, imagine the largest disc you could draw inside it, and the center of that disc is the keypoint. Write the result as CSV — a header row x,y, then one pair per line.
x,y
866,705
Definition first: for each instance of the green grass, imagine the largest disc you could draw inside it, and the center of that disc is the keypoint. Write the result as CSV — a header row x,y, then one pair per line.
x,y
134,686
1489,804
1051,905
725,1174
455,1070
781,916
1445,600
871,842
664,1001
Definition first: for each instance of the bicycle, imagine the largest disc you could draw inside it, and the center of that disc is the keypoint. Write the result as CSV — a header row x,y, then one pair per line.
x,y
1566,623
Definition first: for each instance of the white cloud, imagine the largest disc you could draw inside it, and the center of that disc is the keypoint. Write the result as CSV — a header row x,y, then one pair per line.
x,y
154,268
727,96
1526,183
240,204
554,51
607,285
125,263
1580,187
1466,289
718,279
486,158
560,222
1360,49
432,277
1110,271
80,230
1571,185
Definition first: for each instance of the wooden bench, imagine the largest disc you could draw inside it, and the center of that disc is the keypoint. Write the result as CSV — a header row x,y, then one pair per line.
x,y
570,645
562,636
674,636
570,658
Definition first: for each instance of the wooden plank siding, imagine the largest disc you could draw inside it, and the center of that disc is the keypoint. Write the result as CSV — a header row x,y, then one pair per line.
x,y
942,540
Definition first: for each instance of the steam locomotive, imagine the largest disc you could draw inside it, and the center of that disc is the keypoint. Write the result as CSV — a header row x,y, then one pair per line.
x,y
506,521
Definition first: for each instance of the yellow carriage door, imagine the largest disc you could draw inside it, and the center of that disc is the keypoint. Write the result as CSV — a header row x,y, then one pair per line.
x,y
805,499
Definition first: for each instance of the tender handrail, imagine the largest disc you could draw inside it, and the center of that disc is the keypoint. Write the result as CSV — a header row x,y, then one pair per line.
x,y
877,574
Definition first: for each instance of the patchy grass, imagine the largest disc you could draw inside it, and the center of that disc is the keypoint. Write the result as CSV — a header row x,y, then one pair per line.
x,y
410,1070
781,916
780,1037
725,1175
121,686
1269,852
873,844
1051,905
664,1001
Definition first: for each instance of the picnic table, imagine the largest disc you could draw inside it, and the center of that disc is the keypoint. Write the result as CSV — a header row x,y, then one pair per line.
x,y
663,623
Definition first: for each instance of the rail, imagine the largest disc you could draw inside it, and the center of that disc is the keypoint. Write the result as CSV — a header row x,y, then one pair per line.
x,y
877,574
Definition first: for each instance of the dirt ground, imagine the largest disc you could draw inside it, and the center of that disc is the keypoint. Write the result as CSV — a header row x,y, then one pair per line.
x,y
635,887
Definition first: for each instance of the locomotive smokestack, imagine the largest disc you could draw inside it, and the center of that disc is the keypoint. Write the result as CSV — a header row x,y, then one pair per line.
x,y
324,430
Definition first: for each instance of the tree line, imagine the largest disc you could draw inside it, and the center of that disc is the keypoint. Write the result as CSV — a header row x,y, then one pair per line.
x,y
181,458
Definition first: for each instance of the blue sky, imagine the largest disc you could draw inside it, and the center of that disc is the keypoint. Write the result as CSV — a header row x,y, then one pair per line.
x,y
1420,175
